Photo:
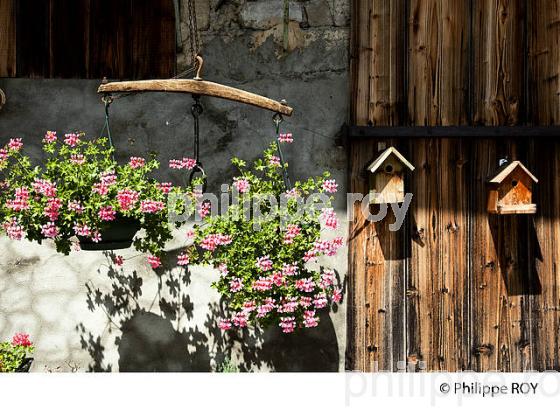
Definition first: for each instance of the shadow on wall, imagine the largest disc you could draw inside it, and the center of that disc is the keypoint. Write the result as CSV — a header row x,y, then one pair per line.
x,y
161,342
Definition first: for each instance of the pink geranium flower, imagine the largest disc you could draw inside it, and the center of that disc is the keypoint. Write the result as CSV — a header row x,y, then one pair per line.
x,y
15,144
185,163
136,162
305,285
263,284
204,209
286,138
274,161
50,137
100,188
14,230
107,213
223,269
20,201
165,187
287,324
264,263
82,230
235,285
329,218
75,206
289,269
77,159
21,339
50,230
309,319
225,324
212,241
151,207
154,261
52,208
337,295
127,198
183,259
242,185
330,186
71,139
44,187
108,178
291,232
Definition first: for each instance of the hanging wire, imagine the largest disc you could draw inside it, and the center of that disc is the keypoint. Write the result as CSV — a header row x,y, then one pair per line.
x,y
107,100
277,119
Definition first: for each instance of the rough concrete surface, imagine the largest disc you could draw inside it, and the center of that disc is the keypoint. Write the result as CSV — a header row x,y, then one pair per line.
x,y
83,315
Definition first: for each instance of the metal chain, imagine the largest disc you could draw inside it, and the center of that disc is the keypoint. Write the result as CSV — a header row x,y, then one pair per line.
x,y
277,120
194,39
196,111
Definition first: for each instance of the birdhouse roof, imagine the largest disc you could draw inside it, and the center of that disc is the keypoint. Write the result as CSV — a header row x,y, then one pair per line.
x,y
507,169
386,154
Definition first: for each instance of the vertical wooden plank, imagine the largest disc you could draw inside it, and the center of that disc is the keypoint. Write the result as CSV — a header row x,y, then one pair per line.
x,y
32,38
546,300
499,47
153,39
500,261
377,263
7,38
387,54
69,38
388,257
361,352
437,95
361,61
110,39
544,86
544,61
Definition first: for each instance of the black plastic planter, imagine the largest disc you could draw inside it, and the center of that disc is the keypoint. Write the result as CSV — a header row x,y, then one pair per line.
x,y
118,235
25,366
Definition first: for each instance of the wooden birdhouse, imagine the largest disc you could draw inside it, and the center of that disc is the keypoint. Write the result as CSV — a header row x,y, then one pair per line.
x,y
511,190
386,177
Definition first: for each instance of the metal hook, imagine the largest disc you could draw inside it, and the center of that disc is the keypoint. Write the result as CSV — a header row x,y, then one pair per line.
x,y
200,62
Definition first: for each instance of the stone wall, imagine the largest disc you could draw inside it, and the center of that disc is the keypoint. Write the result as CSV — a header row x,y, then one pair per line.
x,y
83,315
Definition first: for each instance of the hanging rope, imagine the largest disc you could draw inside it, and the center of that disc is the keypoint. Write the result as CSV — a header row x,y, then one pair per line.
x,y
277,119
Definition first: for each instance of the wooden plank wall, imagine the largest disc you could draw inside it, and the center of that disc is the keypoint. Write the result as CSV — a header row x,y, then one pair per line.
x,y
456,288
118,39
7,38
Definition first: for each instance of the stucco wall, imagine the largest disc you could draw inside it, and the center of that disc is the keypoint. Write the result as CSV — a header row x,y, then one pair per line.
x,y
84,316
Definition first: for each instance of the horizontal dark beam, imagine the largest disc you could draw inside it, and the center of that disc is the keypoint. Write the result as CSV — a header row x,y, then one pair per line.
x,y
361,132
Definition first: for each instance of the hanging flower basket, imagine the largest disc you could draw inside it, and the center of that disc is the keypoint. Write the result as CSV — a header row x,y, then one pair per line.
x,y
80,191
118,234
269,270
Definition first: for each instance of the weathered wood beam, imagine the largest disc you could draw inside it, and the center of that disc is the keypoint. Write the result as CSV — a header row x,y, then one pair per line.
x,y
360,132
198,87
